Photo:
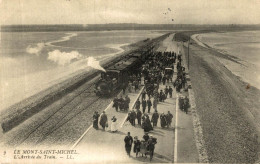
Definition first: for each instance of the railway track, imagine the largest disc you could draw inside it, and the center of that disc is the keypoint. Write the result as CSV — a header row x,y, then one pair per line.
x,y
60,116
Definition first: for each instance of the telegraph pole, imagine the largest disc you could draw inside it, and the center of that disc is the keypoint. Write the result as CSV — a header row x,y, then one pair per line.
x,y
189,53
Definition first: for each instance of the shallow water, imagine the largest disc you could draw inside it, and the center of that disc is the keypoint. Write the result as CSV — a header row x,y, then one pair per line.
x,y
245,46
33,61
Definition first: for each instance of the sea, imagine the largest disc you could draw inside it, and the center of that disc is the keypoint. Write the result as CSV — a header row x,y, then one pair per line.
x,y
33,61
243,45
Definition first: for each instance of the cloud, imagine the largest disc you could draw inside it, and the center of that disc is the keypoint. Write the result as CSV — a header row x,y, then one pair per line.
x,y
63,58
35,50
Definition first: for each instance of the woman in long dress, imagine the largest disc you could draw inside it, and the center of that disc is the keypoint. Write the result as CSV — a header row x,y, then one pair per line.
x,y
114,125
143,148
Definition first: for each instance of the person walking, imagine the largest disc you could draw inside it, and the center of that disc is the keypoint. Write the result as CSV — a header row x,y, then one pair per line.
x,y
186,104
144,105
114,125
128,143
164,79
163,120
95,120
121,103
115,103
166,91
169,117
132,117
137,104
103,120
146,136
143,148
170,91
137,144
127,102
149,104
139,116
155,102
155,118
151,146
147,123
161,96
143,95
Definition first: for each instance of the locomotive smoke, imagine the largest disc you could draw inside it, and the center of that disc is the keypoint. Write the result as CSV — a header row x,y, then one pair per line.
x,y
35,50
92,62
63,58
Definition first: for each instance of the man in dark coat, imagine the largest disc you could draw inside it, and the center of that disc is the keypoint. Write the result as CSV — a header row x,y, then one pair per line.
x,y
115,105
149,104
95,120
128,143
143,95
127,102
155,118
169,117
103,120
170,91
121,103
186,104
161,96
143,105
132,117
164,79
151,146
139,116
166,91
163,120
137,104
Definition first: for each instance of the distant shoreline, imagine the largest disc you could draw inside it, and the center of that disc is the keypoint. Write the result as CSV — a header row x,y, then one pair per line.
x,y
232,59
112,27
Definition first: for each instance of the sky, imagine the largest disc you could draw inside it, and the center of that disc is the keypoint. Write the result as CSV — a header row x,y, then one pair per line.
x,y
129,11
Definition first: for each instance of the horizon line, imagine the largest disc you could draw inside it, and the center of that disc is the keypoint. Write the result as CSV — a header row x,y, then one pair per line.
x,y
127,23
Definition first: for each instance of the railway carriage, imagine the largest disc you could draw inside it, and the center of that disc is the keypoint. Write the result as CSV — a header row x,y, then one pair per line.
x,y
117,76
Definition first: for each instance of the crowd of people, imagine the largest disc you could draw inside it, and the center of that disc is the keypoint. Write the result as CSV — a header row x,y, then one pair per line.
x,y
157,70
121,103
144,147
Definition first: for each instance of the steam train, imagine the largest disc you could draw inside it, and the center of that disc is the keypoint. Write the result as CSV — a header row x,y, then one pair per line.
x,y
117,76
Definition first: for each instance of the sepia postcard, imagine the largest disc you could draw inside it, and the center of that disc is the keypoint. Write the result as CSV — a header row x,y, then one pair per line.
x,y
129,81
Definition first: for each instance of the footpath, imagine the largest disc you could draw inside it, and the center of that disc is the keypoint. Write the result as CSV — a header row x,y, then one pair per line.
x,y
175,144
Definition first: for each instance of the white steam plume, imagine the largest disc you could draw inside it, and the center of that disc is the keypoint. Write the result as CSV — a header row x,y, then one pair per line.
x,y
63,58
92,62
35,50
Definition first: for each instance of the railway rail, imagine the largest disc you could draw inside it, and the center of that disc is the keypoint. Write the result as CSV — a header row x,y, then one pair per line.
x,y
55,127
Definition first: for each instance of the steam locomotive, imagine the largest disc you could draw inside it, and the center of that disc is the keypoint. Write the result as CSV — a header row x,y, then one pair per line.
x,y
117,75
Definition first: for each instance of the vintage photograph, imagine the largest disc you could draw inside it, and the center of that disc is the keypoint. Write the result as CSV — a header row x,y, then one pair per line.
x,y
129,81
